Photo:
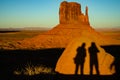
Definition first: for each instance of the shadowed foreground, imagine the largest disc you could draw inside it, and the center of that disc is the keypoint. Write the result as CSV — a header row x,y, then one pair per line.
x,y
114,50
10,60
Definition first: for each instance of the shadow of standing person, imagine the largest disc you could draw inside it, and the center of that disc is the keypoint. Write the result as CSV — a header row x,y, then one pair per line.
x,y
80,59
93,58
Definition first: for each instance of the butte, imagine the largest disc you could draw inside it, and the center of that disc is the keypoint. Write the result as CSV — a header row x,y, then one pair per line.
x,y
73,24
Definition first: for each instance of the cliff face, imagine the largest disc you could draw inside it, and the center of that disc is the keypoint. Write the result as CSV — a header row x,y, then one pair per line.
x,y
70,12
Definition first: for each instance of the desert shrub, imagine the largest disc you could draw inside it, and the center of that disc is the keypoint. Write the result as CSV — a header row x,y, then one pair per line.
x,y
34,70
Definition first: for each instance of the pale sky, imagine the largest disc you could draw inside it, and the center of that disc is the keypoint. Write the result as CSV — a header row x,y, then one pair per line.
x,y
44,13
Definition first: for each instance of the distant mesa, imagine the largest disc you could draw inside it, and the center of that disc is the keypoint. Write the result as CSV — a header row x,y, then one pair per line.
x,y
70,12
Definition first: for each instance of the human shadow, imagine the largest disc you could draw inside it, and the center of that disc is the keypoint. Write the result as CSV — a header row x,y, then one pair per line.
x,y
114,50
80,59
93,50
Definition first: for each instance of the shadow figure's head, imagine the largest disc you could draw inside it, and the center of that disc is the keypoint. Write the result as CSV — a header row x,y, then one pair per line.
x,y
83,45
93,44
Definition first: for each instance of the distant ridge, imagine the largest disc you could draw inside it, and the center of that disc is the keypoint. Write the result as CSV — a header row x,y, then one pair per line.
x,y
25,28
108,29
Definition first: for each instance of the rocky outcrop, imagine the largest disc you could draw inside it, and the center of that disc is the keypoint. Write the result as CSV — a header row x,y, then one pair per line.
x,y
66,64
70,13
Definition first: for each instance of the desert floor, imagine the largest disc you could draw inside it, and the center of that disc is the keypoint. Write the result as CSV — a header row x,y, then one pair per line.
x,y
112,34
32,62
20,35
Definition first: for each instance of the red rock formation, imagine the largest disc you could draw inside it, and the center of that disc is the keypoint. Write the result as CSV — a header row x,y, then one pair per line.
x,y
73,24
86,15
70,12
86,12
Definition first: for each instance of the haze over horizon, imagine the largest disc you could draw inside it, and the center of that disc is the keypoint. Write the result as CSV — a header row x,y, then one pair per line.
x,y
45,13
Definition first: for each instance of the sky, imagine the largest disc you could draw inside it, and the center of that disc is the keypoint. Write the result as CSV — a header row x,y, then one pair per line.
x,y
45,13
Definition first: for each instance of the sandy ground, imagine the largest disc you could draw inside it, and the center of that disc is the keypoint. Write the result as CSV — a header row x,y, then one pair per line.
x,y
29,34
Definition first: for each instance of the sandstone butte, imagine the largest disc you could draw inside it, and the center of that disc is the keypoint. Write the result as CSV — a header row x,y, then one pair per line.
x,y
73,29
73,24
